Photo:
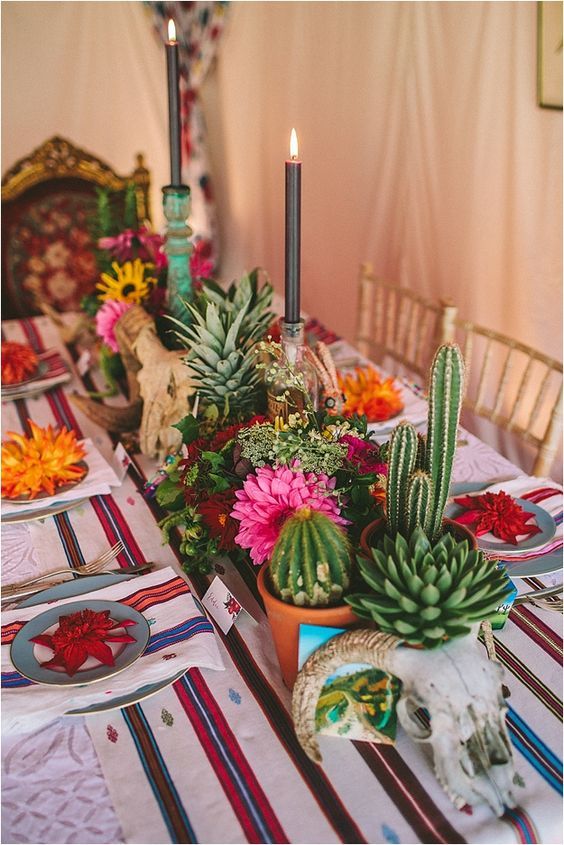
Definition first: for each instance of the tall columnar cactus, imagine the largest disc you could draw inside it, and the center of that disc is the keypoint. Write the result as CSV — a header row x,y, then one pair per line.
x,y
446,391
311,562
402,458
419,470
419,506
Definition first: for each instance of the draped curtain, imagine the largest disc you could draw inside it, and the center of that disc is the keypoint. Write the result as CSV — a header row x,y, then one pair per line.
x,y
199,27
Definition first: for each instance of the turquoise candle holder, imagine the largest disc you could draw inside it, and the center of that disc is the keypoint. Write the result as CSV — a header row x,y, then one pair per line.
x,y
176,205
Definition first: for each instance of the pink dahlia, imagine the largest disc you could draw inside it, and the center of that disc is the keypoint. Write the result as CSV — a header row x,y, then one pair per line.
x,y
270,496
106,318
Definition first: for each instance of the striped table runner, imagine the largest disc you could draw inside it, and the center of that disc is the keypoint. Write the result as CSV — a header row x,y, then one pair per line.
x,y
214,758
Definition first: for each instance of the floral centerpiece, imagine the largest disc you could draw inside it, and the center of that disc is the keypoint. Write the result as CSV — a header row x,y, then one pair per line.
x,y
232,489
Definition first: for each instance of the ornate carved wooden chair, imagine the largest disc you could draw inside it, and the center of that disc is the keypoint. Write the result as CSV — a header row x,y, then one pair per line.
x,y
48,208
396,323
516,388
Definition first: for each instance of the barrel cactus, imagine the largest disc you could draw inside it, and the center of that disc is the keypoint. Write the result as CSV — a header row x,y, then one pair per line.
x,y
427,593
311,562
420,469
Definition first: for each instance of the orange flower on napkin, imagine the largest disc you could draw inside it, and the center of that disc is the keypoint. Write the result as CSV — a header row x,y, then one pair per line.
x,y
18,362
46,460
366,393
498,514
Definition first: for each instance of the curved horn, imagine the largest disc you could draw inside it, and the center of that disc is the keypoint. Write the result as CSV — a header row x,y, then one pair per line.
x,y
127,329
358,646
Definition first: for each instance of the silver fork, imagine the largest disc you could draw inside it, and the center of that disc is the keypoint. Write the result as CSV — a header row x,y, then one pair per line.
x,y
90,568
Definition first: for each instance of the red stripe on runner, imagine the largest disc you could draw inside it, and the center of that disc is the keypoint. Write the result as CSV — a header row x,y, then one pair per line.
x,y
534,684
405,790
231,745
123,532
538,631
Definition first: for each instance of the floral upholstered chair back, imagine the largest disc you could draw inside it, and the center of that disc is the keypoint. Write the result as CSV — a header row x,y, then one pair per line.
x,y
49,212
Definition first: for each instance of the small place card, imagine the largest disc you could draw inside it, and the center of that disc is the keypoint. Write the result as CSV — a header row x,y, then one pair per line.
x,y
222,604
121,461
84,362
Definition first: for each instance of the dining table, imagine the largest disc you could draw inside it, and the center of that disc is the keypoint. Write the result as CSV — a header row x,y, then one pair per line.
x,y
211,756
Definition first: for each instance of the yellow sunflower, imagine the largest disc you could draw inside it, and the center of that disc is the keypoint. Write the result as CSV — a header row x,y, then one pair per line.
x,y
130,284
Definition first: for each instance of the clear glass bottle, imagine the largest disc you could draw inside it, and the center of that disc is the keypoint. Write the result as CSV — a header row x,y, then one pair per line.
x,y
294,375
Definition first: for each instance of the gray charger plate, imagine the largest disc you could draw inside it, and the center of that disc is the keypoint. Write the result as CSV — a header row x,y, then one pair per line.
x,y
78,587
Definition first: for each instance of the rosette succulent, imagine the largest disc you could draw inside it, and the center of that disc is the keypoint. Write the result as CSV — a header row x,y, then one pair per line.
x,y
426,593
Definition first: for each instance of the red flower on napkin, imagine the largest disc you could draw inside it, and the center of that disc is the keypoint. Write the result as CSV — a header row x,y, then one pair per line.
x,y
497,513
82,635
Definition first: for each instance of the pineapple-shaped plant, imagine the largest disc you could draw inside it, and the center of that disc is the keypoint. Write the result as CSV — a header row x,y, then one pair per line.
x,y
426,593
311,562
419,469
224,331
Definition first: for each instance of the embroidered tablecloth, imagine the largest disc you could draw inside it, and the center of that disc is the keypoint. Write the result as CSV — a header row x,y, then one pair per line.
x,y
213,758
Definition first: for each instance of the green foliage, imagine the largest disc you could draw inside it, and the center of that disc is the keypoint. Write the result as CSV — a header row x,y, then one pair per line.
x,y
196,547
311,562
90,304
188,427
111,367
169,495
427,593
130,207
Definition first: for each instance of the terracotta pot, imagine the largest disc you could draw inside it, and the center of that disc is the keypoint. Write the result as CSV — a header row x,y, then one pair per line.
x,y
285,620
370,533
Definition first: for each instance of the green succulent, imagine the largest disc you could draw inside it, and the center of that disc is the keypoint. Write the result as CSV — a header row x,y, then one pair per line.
x,y
426,593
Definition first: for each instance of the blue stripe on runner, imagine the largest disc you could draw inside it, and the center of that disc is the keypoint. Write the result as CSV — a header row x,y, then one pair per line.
x,y
13,680
213,733
180,633
61,520
539,755
162,769
101,500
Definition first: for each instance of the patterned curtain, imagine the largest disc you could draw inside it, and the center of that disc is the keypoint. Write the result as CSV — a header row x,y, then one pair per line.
x,y
199,27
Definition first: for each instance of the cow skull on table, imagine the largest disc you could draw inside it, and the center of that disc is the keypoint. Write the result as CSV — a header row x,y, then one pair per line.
x,y
458,687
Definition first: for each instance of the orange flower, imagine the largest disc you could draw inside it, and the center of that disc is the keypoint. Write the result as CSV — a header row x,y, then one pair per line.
x,y
46,460
18,362
366,393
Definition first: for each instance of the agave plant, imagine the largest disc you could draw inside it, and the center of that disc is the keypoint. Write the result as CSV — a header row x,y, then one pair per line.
x,y
224,329
426,593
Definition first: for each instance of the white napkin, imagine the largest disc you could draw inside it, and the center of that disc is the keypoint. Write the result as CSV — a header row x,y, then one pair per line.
x,y
181,637
99,479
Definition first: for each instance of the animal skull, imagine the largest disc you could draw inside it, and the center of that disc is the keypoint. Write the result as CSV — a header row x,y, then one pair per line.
x,y
456,684
165,385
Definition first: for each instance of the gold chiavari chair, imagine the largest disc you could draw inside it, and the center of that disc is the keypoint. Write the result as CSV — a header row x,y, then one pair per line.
x,y
515,387
397,323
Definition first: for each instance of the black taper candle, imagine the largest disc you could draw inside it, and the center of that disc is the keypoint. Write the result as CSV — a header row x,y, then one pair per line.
x,y
173,106
293,237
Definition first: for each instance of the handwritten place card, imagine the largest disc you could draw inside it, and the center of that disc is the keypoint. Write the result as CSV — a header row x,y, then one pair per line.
x,y
222,604
121,461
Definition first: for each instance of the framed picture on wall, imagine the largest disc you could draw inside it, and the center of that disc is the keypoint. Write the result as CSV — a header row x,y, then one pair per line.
x,y
549,54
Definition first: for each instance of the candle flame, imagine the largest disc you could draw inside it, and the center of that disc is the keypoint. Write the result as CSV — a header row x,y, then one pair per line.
x,y
293,144
171,30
